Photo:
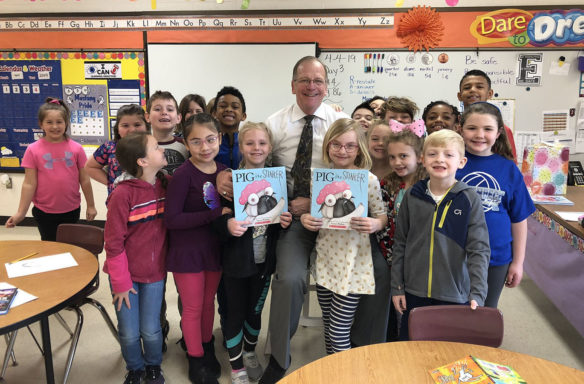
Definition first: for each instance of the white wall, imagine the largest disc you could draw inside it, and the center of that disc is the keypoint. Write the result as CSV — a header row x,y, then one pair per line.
x,y
10,198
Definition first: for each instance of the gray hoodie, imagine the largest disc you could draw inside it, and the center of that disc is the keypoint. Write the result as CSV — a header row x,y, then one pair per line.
x,y
441,250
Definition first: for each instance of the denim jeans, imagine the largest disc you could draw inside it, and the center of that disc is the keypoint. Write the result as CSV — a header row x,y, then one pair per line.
x,y
142,320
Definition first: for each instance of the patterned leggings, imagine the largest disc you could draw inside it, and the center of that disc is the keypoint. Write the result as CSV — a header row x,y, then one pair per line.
x,y
338,312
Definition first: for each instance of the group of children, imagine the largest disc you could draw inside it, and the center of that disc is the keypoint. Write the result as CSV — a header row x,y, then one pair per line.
x,y
447,209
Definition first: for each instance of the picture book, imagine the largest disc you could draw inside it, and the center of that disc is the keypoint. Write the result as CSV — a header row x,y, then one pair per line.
x,y
500,374
260,195
7,295
337,195
551,199
472,370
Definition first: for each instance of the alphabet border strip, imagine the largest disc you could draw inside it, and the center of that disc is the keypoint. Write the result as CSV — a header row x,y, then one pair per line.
x,y
214,23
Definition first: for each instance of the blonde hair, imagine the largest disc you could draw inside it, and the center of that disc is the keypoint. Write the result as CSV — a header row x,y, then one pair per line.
x,y
409,138
247,127
443,138
340,127
374,124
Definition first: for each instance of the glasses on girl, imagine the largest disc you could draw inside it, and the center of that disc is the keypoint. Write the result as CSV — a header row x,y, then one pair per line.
x,y
349,148
209,140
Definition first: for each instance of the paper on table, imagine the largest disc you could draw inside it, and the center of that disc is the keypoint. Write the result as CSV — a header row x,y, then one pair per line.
x,y
21,296
40,264
569,216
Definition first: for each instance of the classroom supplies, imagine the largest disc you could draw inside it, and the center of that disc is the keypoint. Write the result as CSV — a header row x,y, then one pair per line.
x,y
260,195
473,370
24,257
40,264
338,195
553,199
7,295
21,296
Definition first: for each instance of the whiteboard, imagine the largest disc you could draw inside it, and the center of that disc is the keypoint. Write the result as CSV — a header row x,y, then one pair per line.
x,y
423,78
262,72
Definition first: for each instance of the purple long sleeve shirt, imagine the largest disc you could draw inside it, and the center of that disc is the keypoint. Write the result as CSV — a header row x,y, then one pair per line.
x,y
192,203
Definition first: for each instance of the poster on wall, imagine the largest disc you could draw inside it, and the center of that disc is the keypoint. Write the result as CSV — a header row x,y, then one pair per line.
x,y
25,86
86,82
87,104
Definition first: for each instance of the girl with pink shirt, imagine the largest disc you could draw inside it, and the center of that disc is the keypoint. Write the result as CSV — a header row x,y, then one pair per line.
x,y
53,173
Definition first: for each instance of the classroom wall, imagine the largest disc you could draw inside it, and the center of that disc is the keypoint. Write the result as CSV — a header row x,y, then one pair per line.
x,y
71,6
328,38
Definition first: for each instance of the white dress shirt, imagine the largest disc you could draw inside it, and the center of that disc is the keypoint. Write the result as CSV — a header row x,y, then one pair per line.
x,y
286,126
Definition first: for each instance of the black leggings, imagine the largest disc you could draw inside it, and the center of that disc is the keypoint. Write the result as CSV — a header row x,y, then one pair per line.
x,y
48,222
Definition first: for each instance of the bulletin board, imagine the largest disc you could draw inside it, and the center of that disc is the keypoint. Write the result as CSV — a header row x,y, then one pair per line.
x,y
435,75
94,85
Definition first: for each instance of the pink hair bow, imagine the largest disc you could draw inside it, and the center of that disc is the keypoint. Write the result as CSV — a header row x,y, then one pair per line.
x,y
417,127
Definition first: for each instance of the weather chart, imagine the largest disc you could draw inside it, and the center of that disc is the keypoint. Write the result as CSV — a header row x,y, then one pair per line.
x,y
93,85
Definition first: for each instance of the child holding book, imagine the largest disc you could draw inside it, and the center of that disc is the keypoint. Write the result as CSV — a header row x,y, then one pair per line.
x,y
248,261
441,248
135,245
344,266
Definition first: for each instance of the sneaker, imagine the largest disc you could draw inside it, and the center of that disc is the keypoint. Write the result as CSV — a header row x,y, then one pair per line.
x,y
134,377
252,365
273,372
209,358
154,375
239,377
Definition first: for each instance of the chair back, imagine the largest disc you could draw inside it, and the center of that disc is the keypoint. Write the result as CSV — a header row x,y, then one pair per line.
x,y
85,236
458,323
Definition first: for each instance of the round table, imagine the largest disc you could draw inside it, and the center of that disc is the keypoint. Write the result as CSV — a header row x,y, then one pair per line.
x,y
409,362
55,289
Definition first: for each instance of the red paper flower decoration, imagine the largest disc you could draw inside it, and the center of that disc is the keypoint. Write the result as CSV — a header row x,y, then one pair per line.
x,y
421,28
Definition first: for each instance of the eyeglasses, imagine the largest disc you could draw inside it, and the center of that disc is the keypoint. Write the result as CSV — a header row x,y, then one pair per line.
x,y
306,82
349,148
211,140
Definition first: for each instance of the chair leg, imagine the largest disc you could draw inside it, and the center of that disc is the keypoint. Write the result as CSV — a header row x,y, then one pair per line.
x,y
8,338
105,315
35,340
74,342
9,353
64,323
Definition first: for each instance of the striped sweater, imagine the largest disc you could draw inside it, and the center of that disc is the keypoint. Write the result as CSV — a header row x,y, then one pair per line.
x,y
135,234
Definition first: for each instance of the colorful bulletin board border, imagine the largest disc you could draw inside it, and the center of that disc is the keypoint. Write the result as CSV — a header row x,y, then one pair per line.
x,y
93,84
572,239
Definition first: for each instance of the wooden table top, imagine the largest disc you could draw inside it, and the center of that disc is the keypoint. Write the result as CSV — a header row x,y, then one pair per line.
x,y
409,362
575,194
54,289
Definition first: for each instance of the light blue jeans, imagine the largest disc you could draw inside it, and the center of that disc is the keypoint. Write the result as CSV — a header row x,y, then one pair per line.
x,y
141,321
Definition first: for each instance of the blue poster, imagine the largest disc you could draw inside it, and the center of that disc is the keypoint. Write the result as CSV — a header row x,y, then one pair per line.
x,y
24,86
